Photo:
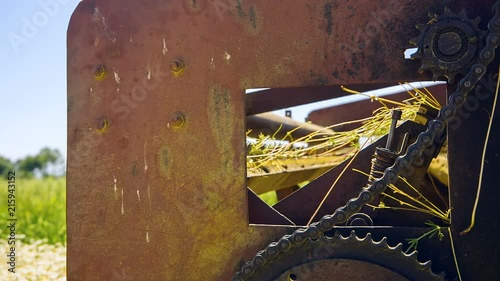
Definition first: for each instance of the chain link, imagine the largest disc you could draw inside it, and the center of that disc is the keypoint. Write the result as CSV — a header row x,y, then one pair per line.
x,y
391,174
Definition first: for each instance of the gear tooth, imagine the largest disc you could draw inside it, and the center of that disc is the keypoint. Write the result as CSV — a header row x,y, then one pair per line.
x,y
416,55
399,247
476,20
382,242
414,41
420,26
427,265
413,254
463,13
353,235
368,237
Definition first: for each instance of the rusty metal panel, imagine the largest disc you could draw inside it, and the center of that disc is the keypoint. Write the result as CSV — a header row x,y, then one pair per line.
x,y
261,213
466,140
156,141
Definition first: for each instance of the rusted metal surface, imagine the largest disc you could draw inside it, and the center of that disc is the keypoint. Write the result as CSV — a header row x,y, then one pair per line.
x,y
159,192
283,193
261,213
466,141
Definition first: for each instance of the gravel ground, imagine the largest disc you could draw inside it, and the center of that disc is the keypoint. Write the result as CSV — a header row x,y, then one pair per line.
x,y
36,261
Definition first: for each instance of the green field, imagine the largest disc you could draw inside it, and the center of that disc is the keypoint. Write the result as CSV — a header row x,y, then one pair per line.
x,y
40,210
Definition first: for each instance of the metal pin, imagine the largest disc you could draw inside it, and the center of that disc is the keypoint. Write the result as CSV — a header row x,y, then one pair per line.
x,y
396,115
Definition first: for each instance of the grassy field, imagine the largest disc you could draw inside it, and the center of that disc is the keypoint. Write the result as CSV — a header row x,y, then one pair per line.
x,y
40,210
40,230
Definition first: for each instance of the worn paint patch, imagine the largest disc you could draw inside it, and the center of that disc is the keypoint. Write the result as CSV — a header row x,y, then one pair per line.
x,y
71,104
133,170
194,6
239,9
269,72
165,162
378,61
328,16
215,250
221,119
101,23
317,79
250,18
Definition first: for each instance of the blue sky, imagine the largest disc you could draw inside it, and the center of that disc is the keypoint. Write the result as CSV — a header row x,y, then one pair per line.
x,y
33,75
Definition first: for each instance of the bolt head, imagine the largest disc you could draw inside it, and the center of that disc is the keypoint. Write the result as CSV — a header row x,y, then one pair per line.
x,y
99,72
178,120
177,67
101,124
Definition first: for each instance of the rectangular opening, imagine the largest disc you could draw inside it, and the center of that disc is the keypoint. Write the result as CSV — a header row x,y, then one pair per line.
x,y
293,144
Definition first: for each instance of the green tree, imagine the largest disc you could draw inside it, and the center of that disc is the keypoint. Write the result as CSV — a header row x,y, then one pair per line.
x,y
48,162
5,166
29,166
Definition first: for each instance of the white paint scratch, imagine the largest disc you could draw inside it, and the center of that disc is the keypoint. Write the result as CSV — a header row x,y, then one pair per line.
x,y
102,24
117,78
145,161
149,197
147,237
114,185
212,63
138,195
227,56
123,209
165,50
90,90
148,72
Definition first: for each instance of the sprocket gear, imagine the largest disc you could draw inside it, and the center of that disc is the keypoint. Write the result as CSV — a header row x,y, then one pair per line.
x,y
333,255
448,44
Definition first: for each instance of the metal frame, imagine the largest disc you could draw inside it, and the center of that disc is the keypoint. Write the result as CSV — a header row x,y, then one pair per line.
x,y
156,117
